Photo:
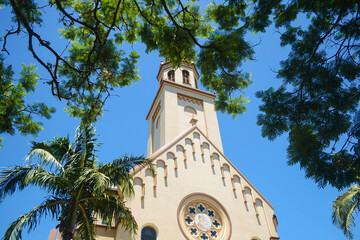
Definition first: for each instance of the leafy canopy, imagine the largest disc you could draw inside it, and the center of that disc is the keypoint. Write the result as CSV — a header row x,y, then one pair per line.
x,y
79,187
317,103
15,114
95,61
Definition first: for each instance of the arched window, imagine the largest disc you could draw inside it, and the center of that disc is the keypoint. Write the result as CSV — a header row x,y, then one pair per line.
x,y
171,75
147,233
185,77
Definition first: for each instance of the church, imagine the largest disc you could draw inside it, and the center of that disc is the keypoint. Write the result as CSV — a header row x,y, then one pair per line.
x,y
197,193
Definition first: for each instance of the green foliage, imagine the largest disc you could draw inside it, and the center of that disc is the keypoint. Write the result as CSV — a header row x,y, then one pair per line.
x,y
318,100
15,113
94,65
79,188
317,104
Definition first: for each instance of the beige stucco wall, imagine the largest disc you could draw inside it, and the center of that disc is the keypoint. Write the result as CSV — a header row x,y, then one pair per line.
x,y
172,99
156,201
189,161
102,233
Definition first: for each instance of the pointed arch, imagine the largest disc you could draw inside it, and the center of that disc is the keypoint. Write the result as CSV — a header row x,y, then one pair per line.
x,y
226,168
196,135
236,179
206,145
216,156
179,148
171,156
138,181
148,173
258,202
188,141
160,163
247,191
139,186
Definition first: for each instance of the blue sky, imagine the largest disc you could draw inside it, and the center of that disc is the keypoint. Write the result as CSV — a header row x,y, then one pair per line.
x,y
303,210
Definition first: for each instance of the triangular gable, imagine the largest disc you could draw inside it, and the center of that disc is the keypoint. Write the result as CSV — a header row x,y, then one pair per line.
x,y
186,134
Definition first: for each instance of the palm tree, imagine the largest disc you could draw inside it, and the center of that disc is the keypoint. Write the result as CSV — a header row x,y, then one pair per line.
x,y
79,188
344,209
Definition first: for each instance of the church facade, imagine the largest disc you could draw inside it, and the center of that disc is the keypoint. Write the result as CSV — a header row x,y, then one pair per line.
x,y
197,193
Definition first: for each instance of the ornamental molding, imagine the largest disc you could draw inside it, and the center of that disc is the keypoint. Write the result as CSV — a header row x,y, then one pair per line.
x,y
157,110
201,216
190,99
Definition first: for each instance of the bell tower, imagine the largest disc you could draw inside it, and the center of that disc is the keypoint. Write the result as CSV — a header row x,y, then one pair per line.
x,y
178,105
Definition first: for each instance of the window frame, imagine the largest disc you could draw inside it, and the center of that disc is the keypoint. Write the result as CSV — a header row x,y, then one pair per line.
x,y
186,76
148,227
171,75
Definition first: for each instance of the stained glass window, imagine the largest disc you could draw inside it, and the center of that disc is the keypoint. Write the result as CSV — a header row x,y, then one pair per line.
x,y
202,221
147,233
192,210
189,220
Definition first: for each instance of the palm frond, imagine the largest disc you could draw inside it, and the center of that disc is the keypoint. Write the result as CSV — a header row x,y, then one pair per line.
x,y
85,143
344,209
85,221
17,177
54,184
82,186
51,206
94,180
47,155
119,171
98,181
110,206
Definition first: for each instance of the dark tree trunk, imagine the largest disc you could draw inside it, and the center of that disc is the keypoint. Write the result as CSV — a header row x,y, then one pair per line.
x,y
66,235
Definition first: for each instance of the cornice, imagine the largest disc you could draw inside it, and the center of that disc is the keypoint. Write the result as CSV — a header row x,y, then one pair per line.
x,y
190,99
179,86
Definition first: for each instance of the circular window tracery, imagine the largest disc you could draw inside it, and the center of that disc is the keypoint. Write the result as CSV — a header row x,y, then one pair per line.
x,y
202,218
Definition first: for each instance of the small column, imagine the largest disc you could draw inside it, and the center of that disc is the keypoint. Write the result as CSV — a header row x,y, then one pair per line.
x,y
175,162
166,173
233,184
143,191
212,161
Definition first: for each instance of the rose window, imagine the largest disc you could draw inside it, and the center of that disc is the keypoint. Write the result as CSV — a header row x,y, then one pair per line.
x,y
202,221
202,217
